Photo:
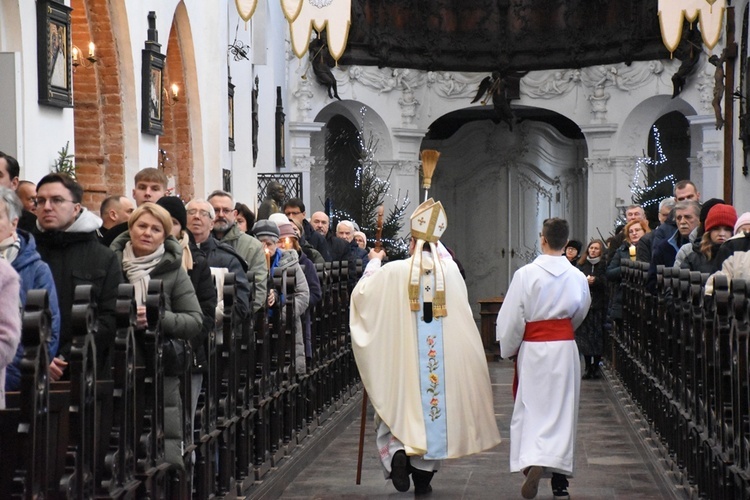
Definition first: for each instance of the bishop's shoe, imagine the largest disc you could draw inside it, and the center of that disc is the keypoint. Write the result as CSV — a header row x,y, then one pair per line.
x,y
400,471
422,480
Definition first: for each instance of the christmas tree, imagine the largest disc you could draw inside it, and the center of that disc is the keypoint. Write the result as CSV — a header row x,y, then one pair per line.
x,y
355,190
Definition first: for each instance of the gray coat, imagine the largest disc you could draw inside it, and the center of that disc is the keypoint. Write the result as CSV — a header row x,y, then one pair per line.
x,y
183,319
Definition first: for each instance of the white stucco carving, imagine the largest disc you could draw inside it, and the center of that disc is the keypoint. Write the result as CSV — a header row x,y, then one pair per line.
x,y
706,87
409,105
304,95
598,102
599,164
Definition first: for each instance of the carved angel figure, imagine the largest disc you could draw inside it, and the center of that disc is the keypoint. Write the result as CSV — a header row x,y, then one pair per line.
x,y
321,67
494,87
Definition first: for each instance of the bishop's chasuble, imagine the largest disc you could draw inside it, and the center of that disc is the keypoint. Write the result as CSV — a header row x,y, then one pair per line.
x,y
428,381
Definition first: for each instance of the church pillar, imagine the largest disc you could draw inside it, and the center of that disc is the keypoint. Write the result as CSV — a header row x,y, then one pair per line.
x,y
706,168
603,189
300,134
407,144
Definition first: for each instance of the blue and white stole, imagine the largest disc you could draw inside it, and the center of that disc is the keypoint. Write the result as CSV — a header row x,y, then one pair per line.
x,y
432,374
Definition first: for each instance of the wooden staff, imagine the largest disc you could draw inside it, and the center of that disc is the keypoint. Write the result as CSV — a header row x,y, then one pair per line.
x,y
363,417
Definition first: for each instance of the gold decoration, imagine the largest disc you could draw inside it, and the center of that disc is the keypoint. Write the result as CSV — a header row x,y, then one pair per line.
x,y
672,14
246,8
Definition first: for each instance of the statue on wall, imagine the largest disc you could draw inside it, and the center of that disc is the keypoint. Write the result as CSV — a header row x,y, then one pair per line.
x,y
718,87
496,87
689,53
321,67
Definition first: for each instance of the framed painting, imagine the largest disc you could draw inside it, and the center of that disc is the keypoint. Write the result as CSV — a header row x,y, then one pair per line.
x,y
54,64
152,83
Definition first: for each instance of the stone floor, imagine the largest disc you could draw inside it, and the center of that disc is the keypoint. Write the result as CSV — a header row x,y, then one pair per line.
x,y
612,462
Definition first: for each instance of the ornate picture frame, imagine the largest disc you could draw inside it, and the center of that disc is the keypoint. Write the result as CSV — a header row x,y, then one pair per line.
x,y
54,64
152,82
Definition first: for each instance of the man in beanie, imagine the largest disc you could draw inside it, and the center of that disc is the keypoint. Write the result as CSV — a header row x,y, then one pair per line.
x,y
226,231
421,358
268,233
573,251
546,301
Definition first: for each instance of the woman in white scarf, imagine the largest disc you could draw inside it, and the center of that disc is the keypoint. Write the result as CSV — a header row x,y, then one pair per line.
x,y
147,251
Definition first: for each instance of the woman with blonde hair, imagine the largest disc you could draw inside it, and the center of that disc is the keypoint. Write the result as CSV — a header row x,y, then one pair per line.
x,y
147,251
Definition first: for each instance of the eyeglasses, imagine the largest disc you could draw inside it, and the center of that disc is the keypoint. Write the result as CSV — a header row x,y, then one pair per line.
x,y
203,213
223,210
290,213
56,201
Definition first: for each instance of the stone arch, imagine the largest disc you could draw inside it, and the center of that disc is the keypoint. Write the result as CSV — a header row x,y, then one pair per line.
x,y
99,123
352,110
633,134
182,116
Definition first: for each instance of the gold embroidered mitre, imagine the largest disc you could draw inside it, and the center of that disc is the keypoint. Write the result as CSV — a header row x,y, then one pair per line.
x,y
428,223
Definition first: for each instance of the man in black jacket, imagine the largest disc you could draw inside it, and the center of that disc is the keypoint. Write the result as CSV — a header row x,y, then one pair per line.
x,y
68,243
294,209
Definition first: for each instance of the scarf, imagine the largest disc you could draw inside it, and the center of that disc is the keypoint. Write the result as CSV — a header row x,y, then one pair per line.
x,y
10,247
187,255
595,261
137,270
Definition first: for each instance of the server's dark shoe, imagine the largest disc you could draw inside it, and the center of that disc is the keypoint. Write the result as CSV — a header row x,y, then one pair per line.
x,y
400,471
560,487
531,483
421,481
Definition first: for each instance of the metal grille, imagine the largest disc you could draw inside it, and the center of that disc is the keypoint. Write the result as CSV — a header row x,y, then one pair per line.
x,y
292,185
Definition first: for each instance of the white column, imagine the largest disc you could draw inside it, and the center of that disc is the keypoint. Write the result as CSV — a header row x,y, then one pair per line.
x,y
602,189
706,162
301,150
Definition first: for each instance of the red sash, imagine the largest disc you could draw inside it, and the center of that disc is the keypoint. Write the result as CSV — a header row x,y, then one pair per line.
x,y
548,330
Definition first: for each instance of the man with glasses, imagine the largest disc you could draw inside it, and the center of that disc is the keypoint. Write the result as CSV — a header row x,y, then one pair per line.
x,y
249,248
200,222
294,209
67,241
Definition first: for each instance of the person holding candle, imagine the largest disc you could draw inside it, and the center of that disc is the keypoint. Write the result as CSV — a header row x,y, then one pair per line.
x,y
633,231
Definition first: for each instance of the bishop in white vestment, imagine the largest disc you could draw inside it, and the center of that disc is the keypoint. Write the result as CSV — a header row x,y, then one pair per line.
x,y
421,358
546,301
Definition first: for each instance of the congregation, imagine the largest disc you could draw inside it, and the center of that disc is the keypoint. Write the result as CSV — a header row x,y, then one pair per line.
x,y
55,243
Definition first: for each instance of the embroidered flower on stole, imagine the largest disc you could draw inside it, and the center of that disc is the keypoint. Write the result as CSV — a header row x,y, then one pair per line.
x,y
432,366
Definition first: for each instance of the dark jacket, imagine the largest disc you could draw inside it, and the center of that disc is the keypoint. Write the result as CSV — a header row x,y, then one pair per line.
x,y
355,253
222,255
598,288
316,240
109,235
614,275
643,248
697,261
77,258
338,247
27,221
34,274
205,290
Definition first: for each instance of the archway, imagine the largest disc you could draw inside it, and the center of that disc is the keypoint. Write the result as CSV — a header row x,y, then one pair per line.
x,y
97,102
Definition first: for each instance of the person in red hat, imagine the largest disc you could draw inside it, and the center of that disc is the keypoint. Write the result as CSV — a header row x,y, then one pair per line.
x,y
718,228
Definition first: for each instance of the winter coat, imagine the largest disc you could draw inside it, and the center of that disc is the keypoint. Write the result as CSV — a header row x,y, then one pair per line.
x,y
288,259
734,259
316,293
697,261
182,319
35,274
316,240
76,257
251,251
205,291
10,321
598,288
614,275
219,255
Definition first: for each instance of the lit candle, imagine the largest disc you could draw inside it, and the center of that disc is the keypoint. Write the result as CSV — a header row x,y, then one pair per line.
x,y
92,50
632,252
76,56
175,91
268,258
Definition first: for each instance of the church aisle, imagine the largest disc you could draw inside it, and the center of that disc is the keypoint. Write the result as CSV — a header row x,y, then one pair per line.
x,y
611,461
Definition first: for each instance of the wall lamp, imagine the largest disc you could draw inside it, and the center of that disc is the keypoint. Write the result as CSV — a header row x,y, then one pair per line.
x,y
86,62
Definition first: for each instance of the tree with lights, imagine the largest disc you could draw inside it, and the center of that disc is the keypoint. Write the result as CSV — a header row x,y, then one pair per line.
x,y
358,197
646,193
